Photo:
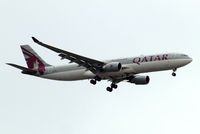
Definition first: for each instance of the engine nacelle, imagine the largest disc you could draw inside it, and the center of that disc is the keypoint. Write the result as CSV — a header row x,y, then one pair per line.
x,y
112,67
140,80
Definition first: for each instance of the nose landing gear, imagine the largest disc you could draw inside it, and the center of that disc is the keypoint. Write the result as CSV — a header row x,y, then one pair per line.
x,y
173,73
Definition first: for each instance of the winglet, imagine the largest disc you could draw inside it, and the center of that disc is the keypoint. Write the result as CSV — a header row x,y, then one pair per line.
x,y
35,40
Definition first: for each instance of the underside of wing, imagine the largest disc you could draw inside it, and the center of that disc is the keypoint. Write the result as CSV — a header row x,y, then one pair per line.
x,y
137,79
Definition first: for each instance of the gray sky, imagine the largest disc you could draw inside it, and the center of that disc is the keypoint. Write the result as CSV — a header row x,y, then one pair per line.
x,y
103,29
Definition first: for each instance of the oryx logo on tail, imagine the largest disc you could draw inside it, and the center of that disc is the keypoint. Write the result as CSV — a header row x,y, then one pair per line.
x,y
33,60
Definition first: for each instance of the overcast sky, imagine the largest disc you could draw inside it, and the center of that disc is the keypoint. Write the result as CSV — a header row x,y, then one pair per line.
x,y
103,29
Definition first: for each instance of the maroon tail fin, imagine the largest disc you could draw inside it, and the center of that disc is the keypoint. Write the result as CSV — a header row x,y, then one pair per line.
x,y
33,60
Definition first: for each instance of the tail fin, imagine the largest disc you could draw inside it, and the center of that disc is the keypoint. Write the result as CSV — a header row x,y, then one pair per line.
x,y
33,60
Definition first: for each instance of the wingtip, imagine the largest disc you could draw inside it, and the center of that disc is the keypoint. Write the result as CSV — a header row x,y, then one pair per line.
x,y
35,40
8,63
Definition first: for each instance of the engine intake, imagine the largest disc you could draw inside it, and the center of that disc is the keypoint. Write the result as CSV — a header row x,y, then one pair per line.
x,y
140,80
112,67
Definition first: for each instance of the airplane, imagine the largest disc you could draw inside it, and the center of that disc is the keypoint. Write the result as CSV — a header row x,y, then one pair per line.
x,y
115,71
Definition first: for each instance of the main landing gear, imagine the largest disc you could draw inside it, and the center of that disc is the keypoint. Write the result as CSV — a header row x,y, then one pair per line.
x,y
173,73
110,89
94,81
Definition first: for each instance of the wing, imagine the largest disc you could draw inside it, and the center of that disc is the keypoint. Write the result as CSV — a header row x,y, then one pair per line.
x,y
94,66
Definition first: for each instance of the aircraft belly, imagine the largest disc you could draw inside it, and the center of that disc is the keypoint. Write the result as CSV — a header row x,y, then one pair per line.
x,y
70,75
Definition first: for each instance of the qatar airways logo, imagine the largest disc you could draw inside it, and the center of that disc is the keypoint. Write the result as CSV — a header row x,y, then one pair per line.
x,y
33,62
139,60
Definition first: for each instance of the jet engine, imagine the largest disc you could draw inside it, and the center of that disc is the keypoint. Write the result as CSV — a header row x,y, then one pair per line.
x,y
112,67
140,80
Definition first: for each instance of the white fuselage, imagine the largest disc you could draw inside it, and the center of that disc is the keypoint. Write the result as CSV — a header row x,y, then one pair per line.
x,y
130,66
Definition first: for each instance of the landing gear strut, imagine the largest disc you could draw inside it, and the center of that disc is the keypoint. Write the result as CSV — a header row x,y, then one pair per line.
x,y
97,78
114,86
173,73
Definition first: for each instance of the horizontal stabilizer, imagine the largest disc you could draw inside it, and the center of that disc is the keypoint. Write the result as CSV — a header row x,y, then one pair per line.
x,y
24,69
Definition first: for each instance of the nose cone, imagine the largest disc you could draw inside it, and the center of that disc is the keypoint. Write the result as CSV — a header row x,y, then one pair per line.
x,y
189,60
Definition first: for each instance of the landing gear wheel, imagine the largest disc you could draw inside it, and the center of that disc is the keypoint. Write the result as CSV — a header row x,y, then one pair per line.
x,y
93,82
114,86
173,74
109,89
174,70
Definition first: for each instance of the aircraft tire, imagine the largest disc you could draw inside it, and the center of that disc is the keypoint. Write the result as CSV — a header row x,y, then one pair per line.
x,y
109,89
114,86
174,74
93,82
